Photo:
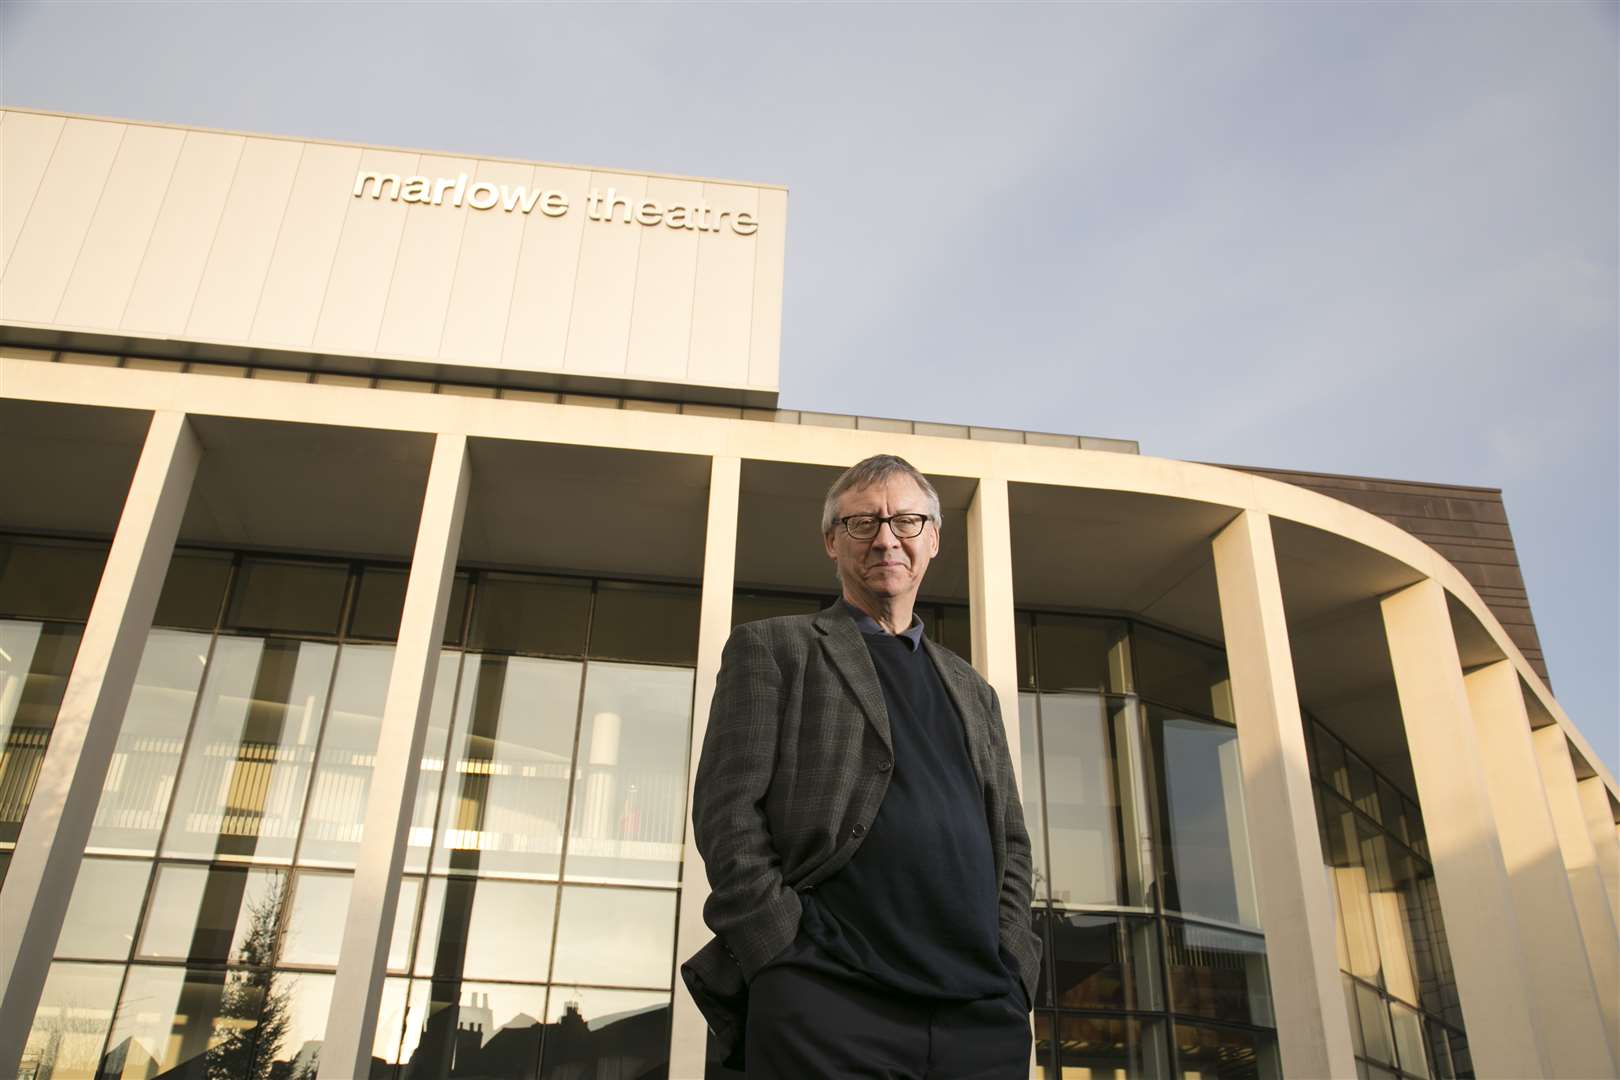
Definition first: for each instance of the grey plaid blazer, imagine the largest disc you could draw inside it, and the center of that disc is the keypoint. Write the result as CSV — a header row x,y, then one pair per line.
x,y
795,763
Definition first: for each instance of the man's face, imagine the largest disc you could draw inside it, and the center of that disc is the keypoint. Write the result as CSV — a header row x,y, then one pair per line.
x,y
885,568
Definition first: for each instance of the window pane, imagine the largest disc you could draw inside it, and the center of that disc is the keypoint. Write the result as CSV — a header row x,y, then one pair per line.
x,y
1024,630
485,1030
75,1010
1029,752
751,607
378,603
1352,888
1082,806
1074,653
1088,972
1205,1053
616,937
1205,837
531,614
314,934
336,817
140,779
35,659
1394,904
605,1033
482,929
1093,1046
224,1022
399,944
628,822
1391,812
1218,974
241,791
1375,1034
216,914
390,1025
430,777
49,581
511,751
192,590
1409,1039
1044,1046
645,622
1363,789
292,597
1330,760
100,919
1182,673
1440,1051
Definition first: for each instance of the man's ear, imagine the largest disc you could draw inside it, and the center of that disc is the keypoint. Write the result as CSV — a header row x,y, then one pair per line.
x,y
827,542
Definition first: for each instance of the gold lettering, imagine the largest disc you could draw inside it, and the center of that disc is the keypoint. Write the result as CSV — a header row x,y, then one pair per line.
x,y
648,213
484,195
744,224
679,217
593,205
458,185
555,204
720,219
519,197
614,200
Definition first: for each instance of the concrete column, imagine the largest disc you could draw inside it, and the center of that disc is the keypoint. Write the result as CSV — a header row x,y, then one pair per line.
x,y
990,605
689,1033
1313,1033
45,864
1585,880
1605,841
363,959
1562,992
1476,899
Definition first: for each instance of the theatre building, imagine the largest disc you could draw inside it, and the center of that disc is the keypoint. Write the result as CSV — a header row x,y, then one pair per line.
x,y
374,524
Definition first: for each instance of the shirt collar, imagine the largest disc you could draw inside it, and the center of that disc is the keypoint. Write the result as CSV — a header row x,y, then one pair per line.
x,y
912,635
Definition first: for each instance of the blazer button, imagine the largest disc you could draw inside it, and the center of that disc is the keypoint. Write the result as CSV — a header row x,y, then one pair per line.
x,y
885,765
857,831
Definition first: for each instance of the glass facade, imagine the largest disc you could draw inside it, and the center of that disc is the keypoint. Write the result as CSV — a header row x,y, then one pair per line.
x,y
1154,964
536,925
1399,989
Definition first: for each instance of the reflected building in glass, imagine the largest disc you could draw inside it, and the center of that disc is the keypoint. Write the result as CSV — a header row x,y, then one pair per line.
x,y
359,619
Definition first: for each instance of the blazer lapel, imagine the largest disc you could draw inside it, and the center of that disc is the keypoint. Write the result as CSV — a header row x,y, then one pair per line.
x,y
848,653
967,707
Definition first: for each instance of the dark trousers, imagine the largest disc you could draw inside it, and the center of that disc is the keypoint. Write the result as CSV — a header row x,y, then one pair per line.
x,y
805,1024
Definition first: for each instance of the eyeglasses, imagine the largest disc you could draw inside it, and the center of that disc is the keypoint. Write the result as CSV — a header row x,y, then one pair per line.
x,y
866,526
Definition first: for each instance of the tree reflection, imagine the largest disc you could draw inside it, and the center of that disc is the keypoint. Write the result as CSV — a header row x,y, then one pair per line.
x,y
253,1009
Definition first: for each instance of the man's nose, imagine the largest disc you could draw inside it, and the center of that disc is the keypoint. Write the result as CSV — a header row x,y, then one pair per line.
x,y
885,537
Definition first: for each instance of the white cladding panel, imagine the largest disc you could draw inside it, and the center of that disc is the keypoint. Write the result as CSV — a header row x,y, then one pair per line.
x,y
250,241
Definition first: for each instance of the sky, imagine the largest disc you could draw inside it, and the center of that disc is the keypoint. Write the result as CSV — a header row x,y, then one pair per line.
x,y
1373,239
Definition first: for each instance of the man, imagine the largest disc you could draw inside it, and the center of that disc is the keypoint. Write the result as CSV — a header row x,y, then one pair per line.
x,y
856,811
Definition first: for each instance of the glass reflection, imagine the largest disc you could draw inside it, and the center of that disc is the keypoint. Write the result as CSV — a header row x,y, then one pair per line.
x,y
1034,793
486,1030
247,1025
628,820
1185,674
1206,839
511,748
1207,1053
390,1026
215,914
75,1010
1076,653
1097,1046
430,777
241,790
314,932
1104,962
644,622
616,937
100,919
483,929
192,590
140,779
293,597
35,660
335,819
605,1033
49,580
1082,804
1217,973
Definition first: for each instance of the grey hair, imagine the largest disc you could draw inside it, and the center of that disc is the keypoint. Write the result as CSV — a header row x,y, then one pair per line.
x,y
875,470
